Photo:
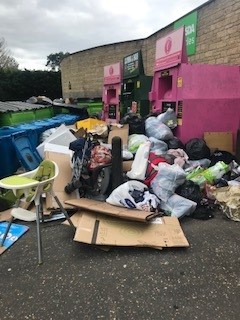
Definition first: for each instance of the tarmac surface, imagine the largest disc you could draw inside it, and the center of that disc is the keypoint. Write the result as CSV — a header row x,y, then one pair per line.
x,y
78,281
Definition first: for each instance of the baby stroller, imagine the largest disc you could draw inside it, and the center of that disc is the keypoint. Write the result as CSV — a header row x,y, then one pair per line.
x,y
91,182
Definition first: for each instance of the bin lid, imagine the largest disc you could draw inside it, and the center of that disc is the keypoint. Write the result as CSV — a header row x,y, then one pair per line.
x,y
14,106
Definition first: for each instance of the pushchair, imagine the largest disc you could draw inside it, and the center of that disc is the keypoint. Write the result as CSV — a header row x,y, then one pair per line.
x,y
90,182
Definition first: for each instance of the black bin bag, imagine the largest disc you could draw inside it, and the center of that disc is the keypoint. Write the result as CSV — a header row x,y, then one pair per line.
x,y
190,190
175,143
135,121
197,149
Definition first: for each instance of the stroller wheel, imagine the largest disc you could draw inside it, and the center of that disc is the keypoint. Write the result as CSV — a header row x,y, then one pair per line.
x,y
103,180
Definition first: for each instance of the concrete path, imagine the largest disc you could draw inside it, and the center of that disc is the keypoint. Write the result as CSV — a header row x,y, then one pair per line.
x,y
78,281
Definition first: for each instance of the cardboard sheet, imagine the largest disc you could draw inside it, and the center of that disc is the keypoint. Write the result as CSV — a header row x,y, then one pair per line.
x,y
75,218
119,132
127,165
5,215
219,140
108,209
98,229
64,177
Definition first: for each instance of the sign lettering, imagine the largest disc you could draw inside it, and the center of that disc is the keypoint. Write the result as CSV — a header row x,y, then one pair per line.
x,y
190,23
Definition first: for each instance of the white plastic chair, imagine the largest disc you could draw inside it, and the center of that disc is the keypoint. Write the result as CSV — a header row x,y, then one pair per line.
x,y
32,185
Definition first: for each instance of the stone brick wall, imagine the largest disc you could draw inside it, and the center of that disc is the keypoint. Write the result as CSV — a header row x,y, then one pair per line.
x,y
218,37
84,69
218,42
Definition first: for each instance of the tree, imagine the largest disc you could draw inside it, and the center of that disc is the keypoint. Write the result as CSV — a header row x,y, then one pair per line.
x,y
18,85
54,60
7,62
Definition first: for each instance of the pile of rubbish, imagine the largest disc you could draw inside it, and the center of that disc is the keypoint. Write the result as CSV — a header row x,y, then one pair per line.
x,y
138,171
166,176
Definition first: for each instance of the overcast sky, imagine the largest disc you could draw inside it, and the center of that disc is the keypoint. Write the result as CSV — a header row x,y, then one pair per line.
x,y
33,29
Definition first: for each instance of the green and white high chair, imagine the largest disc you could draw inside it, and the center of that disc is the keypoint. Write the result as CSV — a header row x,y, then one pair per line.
x,y
32,185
